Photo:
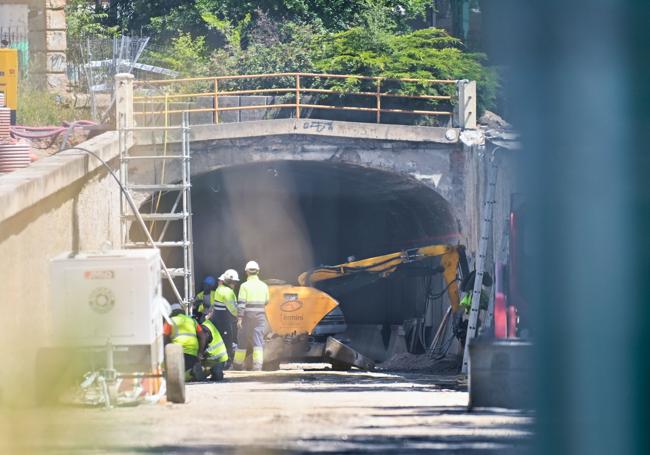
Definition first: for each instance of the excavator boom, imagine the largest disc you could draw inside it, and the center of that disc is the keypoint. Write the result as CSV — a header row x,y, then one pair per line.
x,y
386,264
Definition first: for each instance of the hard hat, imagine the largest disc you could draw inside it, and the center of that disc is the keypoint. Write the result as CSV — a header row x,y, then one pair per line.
x,y
232,275
222,277
176,307
252,266
209,281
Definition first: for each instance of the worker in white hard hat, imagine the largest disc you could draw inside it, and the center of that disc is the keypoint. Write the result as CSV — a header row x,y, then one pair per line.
x,y
253,298
224,316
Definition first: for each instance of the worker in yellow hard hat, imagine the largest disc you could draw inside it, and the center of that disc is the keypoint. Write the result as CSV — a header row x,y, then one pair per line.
x,y
253,298
225,308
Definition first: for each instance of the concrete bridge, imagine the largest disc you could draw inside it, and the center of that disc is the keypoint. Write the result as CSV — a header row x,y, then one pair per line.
x,y
292,193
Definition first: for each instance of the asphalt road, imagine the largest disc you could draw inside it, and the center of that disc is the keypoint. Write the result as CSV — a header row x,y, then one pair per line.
x,y
288,411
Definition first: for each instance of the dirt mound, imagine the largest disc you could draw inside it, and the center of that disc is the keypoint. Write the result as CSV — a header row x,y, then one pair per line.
x,y
422,363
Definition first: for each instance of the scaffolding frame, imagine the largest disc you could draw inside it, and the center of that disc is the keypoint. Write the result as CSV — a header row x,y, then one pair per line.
x,y
181,210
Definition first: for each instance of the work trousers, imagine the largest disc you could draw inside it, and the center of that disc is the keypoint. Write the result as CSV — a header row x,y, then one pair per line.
x,y
251,335
214,367
225,322
190,362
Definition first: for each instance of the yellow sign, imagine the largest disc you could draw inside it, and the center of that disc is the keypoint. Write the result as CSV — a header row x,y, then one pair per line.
x,y
9,76
296,310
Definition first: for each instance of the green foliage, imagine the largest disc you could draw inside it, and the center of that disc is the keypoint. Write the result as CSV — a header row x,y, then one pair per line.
x,y
367,37
213,18
272,47
426,54
84,19
187,55
38,107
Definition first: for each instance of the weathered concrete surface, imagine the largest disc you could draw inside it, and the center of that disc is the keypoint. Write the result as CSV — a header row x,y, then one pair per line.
x,y
309,127
24,188
58,204
290,411
423,154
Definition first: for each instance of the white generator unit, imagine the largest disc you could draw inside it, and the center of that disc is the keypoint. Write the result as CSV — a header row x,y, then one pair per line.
x,y
106,297
107,317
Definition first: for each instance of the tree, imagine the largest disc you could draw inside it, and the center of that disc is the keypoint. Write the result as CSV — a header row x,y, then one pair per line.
x,y
425,54
214,18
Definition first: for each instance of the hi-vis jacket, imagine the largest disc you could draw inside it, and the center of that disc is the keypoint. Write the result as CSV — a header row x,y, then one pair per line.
x,y
253,296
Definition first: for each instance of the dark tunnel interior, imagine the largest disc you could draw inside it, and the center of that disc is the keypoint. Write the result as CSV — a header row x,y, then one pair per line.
x,y
291,216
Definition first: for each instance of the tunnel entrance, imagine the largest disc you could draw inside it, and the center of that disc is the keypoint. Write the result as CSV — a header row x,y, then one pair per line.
x,y
291,216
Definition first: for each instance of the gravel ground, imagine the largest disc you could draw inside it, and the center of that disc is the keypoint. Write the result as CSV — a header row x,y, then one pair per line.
x,y
406,362
293,410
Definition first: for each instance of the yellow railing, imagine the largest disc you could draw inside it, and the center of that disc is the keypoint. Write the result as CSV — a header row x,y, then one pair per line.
x,y
294,86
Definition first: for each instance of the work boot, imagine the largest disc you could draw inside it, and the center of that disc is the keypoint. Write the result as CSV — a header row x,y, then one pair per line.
x,y
217,372
237,367
197,372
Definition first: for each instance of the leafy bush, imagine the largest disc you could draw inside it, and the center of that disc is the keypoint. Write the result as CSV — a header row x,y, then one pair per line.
x,y
85,19
38,107
272,47
426,54
186,54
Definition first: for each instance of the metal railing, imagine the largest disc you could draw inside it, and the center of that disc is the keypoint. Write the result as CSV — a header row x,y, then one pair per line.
x,y
301,94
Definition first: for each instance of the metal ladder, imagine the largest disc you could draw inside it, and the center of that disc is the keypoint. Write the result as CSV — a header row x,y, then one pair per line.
x,y
486,234
181,210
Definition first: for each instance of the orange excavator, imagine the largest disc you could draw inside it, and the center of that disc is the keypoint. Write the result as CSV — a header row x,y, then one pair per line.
x,y
304,320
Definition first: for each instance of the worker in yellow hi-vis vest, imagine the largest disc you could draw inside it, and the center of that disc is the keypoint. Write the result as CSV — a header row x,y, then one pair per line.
x,y
188,334
205,298
216,355
253,298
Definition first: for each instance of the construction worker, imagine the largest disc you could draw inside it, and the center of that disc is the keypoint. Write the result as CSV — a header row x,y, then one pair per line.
x,y
216,355
460,318
204,298
188,334
253,298
225,305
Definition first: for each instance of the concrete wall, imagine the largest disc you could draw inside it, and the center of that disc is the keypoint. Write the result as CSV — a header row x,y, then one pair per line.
x,y
13,15
56,205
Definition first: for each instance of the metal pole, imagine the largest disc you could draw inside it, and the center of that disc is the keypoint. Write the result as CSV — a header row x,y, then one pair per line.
x,y
186,297
297,96
378,100
189,247
216,101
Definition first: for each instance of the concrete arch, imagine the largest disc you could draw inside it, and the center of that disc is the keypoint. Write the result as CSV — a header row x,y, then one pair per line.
x,y
291,215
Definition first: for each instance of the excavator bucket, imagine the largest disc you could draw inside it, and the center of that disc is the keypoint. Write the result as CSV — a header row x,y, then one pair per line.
x,y
297,310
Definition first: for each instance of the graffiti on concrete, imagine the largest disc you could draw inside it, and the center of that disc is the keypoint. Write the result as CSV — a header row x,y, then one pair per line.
x,y
319,125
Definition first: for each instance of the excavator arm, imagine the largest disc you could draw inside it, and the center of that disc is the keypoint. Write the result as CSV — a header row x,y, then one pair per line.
x,y
386,264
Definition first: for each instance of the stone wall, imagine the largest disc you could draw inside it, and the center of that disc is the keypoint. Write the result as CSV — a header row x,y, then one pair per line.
x,y
46,24
48,44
